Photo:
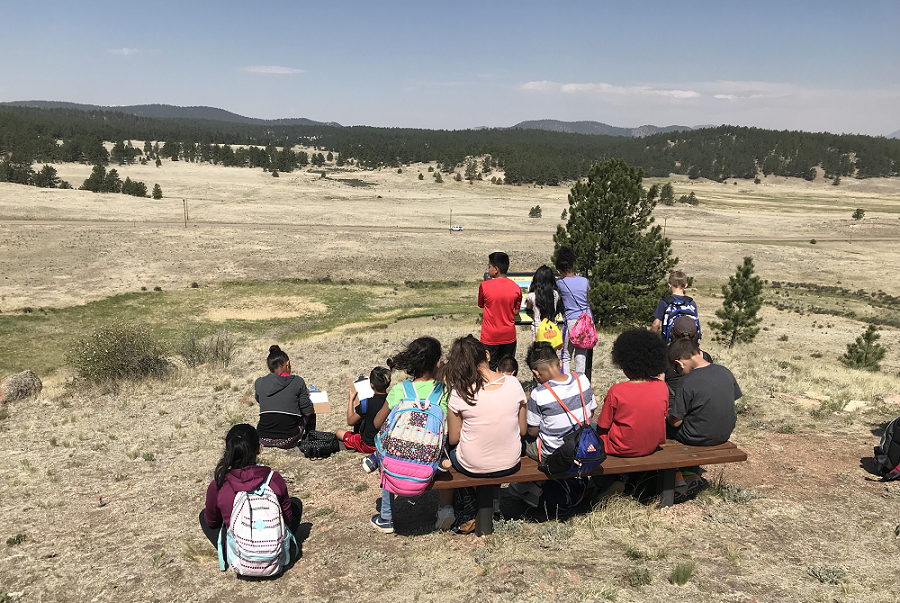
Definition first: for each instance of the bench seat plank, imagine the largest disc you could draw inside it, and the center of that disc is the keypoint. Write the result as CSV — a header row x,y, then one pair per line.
x,y
671,455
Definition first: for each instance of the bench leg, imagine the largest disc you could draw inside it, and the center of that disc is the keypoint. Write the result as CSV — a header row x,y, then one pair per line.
x,y
665,485
484,518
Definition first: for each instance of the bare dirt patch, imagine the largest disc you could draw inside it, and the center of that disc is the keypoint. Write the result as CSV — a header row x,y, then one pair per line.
x,y
265,308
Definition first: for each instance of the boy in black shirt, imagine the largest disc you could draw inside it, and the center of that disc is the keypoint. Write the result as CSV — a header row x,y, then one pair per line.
x,y
702,412
361,414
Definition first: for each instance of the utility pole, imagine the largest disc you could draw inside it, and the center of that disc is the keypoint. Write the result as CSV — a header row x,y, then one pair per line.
x,y
451,217
184,204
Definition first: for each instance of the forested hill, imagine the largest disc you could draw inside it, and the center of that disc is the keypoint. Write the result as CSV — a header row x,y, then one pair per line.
x,y
594,127
174,111
538,156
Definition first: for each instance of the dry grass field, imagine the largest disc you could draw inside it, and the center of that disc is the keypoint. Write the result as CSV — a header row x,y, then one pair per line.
x,y
105,485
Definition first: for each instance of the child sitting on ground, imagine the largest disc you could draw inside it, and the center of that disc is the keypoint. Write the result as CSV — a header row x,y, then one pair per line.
x,y
286,412
420,360
508,366
361,413
238,472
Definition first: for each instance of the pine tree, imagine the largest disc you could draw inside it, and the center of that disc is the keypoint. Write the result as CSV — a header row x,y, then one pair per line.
x,y
421,176
438,178
46,178
158,162
743,299
535,212
667,194
865,353
859,214
617,247
157,192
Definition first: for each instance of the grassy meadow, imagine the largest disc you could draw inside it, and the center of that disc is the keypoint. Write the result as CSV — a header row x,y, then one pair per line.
x,y
102,486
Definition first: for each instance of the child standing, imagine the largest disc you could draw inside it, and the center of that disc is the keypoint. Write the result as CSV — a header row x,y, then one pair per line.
x,y
420,360
500,299
286,413
673,306
362,437
238,472
542,298
574,292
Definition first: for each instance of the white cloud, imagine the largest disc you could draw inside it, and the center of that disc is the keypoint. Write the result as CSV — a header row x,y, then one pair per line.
x,y
725,96
603,89
123,52
272,70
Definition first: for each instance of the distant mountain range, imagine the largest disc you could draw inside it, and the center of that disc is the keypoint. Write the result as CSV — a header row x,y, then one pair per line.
x,y
894,134
596,127
174,111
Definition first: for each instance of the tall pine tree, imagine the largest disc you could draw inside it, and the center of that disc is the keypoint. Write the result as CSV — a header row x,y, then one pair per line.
x,y
617,247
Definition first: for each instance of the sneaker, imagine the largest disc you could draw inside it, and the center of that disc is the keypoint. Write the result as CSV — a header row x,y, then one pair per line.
x,y
445,518
383,525
370,463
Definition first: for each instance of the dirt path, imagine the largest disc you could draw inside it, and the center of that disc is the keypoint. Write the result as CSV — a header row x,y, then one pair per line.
x,y
364,228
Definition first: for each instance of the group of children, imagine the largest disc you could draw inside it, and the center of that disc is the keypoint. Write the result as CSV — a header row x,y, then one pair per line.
x,y
672,390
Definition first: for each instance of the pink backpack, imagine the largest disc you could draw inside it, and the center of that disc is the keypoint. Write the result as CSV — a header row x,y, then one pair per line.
x,y
584,334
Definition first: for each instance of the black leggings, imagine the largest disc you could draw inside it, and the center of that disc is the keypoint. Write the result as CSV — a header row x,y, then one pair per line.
x,y
214,534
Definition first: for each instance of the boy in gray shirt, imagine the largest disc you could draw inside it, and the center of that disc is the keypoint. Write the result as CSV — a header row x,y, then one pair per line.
x,y
702,411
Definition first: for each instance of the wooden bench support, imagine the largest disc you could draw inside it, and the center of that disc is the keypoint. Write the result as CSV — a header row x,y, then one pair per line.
x,y
670,457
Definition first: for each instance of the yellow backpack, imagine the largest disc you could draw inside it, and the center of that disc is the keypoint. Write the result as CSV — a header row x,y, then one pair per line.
x,y
548,331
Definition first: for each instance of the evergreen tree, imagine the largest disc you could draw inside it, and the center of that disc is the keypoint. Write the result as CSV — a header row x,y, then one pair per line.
x,y
96,182
17,168
438,178
617,246
743,299
329,157
421,176
157,192
158,162
535,212
46,178
667,194
865,353
859,214
564,214
339,161
837,181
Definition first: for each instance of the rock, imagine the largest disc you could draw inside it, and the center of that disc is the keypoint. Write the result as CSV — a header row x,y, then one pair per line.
x,y
855,405
889,399
20,386
794,399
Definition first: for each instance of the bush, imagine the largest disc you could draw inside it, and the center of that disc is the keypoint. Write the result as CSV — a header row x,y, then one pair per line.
x,y
639,576
682,573
865,353
217,349
118,352
535,212
859,214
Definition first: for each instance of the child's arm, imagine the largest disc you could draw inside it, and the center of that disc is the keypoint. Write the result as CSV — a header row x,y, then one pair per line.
x,y
654,328
480,296
352,417
454,427
523,421
379,419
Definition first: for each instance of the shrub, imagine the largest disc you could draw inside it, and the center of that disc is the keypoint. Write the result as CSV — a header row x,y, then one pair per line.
x,y
639,576
812,241
118,352
865,353
682,573
217,349
859,214
535,212
827,574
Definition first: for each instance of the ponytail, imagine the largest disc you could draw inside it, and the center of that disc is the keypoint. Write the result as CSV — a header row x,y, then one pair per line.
x,y
277,357
241,448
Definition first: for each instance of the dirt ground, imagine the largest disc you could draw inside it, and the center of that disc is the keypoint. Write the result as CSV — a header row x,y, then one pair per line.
x,y
105,485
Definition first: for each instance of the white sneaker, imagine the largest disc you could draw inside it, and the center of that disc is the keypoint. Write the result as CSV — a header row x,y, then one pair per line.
x,y
445,518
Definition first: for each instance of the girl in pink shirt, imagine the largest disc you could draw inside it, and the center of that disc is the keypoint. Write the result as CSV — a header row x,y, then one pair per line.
x,y
486,418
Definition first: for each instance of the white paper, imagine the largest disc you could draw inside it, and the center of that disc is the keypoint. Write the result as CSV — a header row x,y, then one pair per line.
x,y
364,389
318,397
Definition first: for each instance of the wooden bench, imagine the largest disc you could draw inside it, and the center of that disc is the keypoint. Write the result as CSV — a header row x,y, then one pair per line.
x,y
671,456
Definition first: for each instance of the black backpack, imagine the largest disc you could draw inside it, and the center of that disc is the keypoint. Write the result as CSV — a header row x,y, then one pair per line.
x,y
887,453
319,444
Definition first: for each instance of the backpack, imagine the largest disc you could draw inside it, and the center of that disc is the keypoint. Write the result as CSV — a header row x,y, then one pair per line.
x,y
581,451
584,333
410,443
319,444
257,542
675,308
549,332
887,453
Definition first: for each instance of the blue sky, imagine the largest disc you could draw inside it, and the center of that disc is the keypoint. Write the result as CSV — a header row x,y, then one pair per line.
x,y
823,65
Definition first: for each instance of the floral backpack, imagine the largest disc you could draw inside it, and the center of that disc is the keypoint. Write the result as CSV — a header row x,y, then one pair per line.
x,y
411,441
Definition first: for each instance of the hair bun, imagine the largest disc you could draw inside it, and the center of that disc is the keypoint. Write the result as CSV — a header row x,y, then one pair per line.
x,y
274,349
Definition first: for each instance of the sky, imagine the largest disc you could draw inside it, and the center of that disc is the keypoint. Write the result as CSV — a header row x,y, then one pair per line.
x,y
789,64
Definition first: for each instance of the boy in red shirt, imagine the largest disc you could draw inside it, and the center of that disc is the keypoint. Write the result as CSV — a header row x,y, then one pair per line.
x,y
501,299
633,420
